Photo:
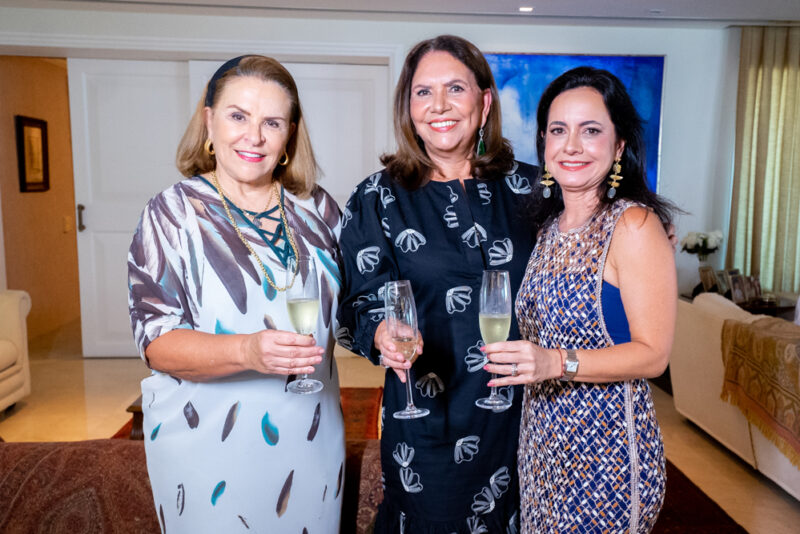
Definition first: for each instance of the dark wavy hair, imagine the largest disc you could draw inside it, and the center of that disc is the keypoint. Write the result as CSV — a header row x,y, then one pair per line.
x,y
628,127
410,164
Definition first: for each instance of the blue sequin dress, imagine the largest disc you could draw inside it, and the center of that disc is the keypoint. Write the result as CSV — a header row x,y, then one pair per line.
x,y
591,457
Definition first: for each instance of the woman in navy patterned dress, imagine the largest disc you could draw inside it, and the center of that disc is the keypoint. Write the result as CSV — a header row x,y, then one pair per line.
x,y
228,448
597,312
438,215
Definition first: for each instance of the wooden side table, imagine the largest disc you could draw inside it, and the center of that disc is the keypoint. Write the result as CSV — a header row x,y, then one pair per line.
x,y
775,308
136,409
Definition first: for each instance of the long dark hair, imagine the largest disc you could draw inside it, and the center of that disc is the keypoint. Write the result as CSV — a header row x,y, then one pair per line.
x,y
628,127
410,165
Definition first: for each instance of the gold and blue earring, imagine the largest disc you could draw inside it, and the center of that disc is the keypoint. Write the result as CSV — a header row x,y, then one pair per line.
x,y
613,179
547,181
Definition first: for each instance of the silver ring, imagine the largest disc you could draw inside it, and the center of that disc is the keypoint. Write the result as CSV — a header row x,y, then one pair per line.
x,y
380,362
514,370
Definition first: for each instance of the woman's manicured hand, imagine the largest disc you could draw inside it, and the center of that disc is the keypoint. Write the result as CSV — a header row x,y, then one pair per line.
x,y
280,352
389,355
531,362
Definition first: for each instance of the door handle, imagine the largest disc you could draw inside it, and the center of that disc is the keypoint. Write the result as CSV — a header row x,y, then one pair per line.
x,y
81,226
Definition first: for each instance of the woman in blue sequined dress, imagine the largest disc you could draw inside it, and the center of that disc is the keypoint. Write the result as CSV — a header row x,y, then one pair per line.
x,y
596,310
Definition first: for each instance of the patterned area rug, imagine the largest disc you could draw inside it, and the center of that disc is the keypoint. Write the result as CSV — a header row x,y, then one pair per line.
x,y
686,510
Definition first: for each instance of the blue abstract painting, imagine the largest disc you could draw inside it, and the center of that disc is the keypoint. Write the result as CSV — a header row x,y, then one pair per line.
x,y
522,78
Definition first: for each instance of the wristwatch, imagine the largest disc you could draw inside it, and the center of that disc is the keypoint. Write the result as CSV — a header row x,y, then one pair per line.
x,y
570,365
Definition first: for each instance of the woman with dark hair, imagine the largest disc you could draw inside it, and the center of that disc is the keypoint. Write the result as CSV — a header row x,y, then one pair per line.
x,y
229,449
597,314
447,206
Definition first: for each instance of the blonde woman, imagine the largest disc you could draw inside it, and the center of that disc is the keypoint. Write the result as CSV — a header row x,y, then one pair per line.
x,y
229,449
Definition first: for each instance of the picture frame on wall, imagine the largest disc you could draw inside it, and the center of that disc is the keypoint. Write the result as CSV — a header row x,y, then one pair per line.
x,y
32,155
707,277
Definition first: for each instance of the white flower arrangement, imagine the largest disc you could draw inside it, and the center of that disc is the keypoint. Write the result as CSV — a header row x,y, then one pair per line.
x,y
702,243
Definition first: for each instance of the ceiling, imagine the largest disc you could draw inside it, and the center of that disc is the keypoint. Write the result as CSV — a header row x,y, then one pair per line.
x,y
607,12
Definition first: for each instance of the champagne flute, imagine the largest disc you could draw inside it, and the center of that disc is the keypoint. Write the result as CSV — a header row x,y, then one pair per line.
x,y
494,318
401,323
302,303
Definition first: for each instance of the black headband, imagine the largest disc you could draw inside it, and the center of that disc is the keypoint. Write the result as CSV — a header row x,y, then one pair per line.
x,y
212,83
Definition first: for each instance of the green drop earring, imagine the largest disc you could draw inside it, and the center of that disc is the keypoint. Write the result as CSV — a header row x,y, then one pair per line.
x,y
481,145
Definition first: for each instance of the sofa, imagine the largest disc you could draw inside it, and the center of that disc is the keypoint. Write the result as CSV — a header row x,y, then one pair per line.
x,y
15,374
101,486
697,372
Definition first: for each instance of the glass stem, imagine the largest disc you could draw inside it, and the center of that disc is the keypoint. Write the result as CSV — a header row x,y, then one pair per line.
x,y
493,390
303,376
409,400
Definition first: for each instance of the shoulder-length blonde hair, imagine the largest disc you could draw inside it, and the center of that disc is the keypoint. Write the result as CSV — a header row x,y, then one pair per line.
x,y
300,175
411,165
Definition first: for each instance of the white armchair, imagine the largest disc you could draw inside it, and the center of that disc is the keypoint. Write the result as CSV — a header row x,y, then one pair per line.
x,y
15,373
698,372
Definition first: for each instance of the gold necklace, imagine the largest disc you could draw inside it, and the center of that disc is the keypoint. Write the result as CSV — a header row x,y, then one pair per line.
x,y
289,236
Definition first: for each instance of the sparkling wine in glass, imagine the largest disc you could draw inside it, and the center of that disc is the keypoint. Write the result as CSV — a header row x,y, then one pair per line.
x,y
302,303
401,322
494,318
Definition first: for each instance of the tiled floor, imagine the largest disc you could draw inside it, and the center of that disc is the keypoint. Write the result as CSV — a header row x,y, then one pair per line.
x,y
75,398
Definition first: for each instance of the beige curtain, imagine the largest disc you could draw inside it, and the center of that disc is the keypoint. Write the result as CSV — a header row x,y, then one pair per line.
x,y
765,211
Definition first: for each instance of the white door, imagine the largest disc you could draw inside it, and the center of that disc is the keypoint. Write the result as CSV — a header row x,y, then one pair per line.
x,y
127,120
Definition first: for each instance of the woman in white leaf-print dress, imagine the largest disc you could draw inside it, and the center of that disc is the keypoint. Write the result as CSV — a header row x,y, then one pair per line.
x,y
229,449
440,225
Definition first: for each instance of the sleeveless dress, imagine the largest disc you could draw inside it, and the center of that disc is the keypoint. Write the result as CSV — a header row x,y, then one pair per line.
x,y
591,457
453,471
237,453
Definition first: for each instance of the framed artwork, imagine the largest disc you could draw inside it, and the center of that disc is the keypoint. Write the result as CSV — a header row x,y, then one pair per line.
x,y
748,288
737,289
755,283
522,78
723,282
707,277
32,158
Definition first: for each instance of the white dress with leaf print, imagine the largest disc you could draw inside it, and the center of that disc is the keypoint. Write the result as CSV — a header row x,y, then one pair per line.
x,y
240,453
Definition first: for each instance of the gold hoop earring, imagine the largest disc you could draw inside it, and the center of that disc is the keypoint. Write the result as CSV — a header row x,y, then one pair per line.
x,y
284,160
208,147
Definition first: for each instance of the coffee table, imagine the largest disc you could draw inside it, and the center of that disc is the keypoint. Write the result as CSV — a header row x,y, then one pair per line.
x,y
136,409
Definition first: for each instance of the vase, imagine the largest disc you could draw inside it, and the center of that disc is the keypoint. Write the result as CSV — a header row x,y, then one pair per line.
x,y
703,258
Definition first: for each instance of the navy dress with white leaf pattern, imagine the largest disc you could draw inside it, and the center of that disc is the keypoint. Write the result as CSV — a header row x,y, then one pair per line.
x,y
454,470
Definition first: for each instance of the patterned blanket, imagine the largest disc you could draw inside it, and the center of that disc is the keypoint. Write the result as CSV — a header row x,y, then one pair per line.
x,y
762,378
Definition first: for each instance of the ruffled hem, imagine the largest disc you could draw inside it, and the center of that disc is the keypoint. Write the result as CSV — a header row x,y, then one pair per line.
x,y
392,521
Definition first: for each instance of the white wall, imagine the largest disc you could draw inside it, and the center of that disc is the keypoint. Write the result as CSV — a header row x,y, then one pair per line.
x,y
699,87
